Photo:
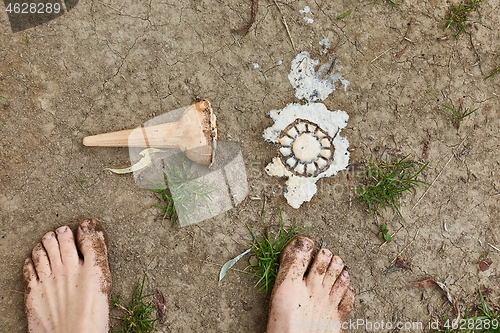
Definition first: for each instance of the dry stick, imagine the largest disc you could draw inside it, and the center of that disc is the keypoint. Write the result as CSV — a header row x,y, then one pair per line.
x,y
381,54
286,25
496,248
439,174
400,252
244,30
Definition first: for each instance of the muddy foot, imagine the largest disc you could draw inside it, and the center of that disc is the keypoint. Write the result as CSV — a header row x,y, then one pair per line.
x,y
65,293
319,301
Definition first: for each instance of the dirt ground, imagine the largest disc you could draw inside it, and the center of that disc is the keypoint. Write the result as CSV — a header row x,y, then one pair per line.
x,y
111,65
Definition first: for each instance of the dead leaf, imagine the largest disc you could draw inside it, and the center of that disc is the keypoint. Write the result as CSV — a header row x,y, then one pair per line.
x,y
430,282
485,291
485,264
161,307
402,264
400,53
424,283
246,307
231,263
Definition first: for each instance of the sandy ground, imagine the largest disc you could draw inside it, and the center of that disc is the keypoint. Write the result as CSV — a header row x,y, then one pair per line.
x,y
111,65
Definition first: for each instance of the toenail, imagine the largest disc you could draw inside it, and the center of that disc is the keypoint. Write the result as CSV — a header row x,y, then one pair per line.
x,y
345,274
61,230
338,260
48,236
304,244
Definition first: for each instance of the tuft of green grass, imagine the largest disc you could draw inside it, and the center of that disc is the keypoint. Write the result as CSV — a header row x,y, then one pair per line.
x,y
460,114
183,191
488,320
458,17
79,180
267,249
492,73
138,314
388,181
167,208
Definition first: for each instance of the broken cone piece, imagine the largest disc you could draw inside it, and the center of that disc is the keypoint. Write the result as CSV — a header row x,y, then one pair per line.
x,y
195,133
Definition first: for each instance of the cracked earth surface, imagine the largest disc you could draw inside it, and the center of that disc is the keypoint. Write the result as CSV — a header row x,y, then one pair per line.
x,y
111,65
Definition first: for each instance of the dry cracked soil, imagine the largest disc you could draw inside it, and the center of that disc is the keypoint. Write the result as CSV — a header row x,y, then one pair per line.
x,y
110,65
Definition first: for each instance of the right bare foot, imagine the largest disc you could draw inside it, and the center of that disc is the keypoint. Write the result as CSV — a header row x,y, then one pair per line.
x,y
63,292
319,301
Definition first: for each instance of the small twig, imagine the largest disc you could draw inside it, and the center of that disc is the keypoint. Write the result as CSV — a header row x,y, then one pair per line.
x,y
400,252
439,174
407,30
286,25
105,4
243,205
244,30
496,248
381,54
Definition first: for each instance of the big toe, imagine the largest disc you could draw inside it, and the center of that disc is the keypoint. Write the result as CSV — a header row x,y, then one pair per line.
x,y
92,244
91,241
295,260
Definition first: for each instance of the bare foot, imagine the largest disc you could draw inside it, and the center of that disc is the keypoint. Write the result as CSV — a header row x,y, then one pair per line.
x,y
65,293
319,301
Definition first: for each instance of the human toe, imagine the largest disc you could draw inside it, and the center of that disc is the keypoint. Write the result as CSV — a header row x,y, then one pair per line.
x,y
51,246
319,268
335,267
295,259
69,254
346,304
91,240
41,261
29,272
340,287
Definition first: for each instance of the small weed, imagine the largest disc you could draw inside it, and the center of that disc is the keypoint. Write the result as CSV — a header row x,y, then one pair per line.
x,y
342,16
80,180
1,99
27,40
388,181
492,73
168,208
460,114
267,249
183,191
392,2
487,321
137,316
459,15
384,233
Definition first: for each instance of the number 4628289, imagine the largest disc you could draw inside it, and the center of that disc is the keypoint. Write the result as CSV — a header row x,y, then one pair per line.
x,y
33,8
